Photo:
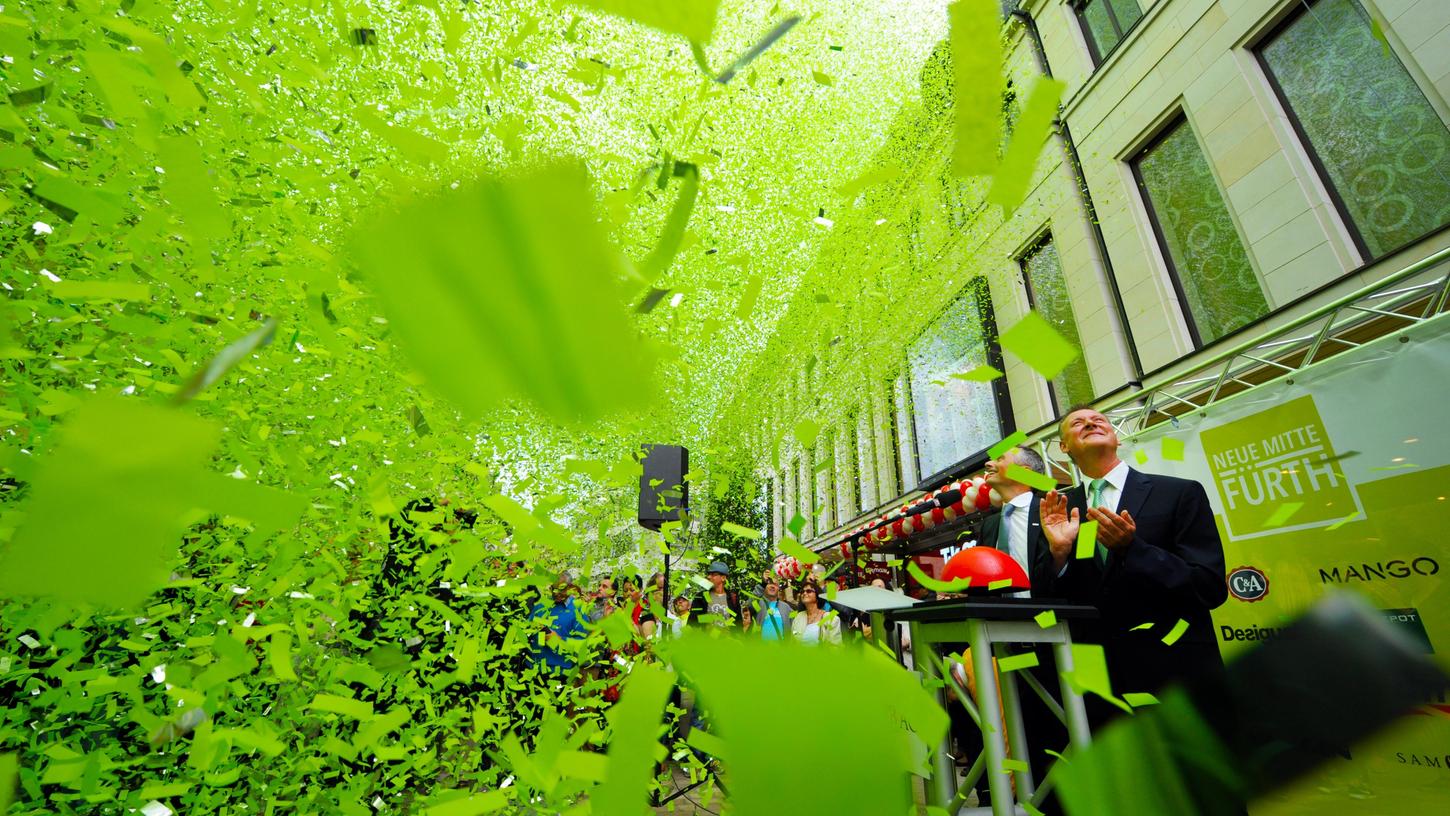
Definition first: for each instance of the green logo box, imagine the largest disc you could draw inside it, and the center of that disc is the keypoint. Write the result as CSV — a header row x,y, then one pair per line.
x,y
1278,457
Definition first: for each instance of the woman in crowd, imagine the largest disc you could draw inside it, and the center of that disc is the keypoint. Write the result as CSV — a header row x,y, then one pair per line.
x,y
813,624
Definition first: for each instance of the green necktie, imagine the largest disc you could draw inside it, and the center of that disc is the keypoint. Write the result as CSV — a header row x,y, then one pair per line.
x,y
1003,529
1095,499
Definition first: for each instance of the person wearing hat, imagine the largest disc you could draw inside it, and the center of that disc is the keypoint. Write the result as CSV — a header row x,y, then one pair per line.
x,y
722,604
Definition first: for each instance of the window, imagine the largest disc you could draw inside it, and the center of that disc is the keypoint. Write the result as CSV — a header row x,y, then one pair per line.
x,y
1105,23
790,492
890,462
825,478
954,418
1382,148
1211,272
1047,293
866,462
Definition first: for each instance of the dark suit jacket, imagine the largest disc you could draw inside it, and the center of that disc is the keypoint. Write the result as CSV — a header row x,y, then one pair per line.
x,y
1173,570
1039,554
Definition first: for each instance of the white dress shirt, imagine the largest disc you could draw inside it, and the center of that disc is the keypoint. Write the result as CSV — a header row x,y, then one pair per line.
x,y
1111,495
1017,522
1113,489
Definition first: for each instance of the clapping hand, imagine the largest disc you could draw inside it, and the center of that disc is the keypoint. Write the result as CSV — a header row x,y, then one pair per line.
x,y
1115,530
1060,525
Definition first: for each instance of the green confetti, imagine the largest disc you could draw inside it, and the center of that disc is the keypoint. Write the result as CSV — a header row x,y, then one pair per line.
x,y
279,656
693,19
957,585
1347,519
1377,31
738,680
226,359
1033,126
9,772
1176,632
1047,619
1138,699
796,524
1282,514
978,84
635,722
489,302
135,468
658,261
1017,662
100,290
1087,540
346,706
473,804
798,551
1001,583
1142,626
806,431
982,373
1171,449
1090,673
736,530
1016,438
1014,765
1140,456
1039,345
1031,478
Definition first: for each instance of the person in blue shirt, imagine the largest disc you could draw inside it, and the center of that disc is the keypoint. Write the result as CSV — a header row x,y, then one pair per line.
x,y
773,613
564,624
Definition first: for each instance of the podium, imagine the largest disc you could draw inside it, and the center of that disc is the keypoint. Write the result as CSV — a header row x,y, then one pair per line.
x,y
987,624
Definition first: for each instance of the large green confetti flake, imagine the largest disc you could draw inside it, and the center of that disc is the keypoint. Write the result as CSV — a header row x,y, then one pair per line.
x,y
632,752
956,585
694,19
1031,478
505,288
977,61
1039,345
135,469
1014,175
738,681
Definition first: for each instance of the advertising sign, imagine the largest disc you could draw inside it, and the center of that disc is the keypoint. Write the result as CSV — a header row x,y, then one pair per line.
x,y
1336,478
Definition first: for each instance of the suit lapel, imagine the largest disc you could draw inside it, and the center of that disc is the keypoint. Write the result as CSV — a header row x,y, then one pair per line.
x,y
1135,492
991,529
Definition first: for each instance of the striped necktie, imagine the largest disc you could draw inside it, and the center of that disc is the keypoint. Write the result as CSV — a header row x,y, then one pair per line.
x,y
1095,499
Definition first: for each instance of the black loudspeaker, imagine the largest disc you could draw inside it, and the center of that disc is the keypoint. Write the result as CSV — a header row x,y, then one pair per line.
x,y
663,494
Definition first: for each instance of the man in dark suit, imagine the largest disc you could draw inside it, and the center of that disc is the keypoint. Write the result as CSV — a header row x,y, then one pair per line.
x,y
1016,530
1158,560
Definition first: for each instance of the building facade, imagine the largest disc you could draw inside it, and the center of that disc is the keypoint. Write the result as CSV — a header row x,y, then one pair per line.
x,y
1219,167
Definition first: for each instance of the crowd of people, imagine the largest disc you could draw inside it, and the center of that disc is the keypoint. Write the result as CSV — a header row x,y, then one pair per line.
x,y
770,610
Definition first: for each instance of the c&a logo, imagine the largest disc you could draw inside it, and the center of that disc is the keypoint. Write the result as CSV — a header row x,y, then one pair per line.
x,y
1248,584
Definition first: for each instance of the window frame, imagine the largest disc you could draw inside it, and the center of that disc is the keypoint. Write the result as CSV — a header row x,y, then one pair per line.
x,y
1001,396
1169,126
1295,12
1037,243
1094,50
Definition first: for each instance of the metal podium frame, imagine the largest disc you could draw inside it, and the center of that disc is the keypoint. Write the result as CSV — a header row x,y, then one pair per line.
x,y
987,624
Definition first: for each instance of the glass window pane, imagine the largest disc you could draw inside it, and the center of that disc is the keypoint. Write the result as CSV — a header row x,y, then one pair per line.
x,y
825,482
1100,27
1128,13
953,418
865,462
1220,288
1385,149
1043,269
